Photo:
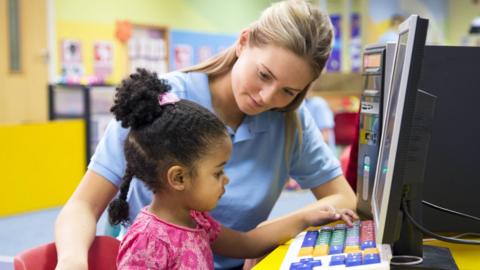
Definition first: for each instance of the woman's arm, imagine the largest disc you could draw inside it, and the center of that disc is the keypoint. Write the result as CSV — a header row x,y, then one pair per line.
x,y
336,192
75,226
261,240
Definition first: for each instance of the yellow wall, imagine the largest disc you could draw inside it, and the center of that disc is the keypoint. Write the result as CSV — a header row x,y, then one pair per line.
x,y
40,164
461,14
88,33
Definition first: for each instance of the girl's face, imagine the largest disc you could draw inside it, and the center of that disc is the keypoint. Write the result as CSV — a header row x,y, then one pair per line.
x,y
267,77
208,184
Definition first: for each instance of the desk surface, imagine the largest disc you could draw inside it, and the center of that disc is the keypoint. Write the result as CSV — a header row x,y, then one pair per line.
x,y
467,257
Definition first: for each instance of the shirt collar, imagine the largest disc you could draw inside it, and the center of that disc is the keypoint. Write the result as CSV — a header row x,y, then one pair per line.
x,y
250,127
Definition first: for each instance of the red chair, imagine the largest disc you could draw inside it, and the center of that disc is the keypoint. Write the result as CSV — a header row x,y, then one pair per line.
x,y
345,158
101,256
345,127
346,137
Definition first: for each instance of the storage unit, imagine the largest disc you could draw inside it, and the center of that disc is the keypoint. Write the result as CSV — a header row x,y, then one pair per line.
x,y
90,103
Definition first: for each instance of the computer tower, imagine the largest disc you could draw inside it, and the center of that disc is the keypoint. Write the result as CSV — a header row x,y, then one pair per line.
x,y
451,178
377,63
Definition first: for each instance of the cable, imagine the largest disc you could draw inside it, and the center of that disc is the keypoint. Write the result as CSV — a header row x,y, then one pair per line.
x,y
458,236
431,234
450,211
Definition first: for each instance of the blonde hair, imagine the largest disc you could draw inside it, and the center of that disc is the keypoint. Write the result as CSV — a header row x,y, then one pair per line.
x,y
294,25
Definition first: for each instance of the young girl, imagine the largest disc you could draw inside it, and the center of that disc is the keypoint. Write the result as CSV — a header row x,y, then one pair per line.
x,y
256,88
179,149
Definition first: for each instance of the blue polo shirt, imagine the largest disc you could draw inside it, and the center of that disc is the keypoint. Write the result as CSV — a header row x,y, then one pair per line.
x,y
323,117
257,169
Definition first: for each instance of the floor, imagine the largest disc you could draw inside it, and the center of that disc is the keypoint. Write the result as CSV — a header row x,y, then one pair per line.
x,y
21,232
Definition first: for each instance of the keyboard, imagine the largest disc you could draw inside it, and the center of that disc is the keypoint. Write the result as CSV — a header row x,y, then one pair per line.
x,y
338,247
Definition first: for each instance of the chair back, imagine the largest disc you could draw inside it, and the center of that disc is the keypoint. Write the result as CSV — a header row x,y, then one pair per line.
x,y
345,127
101,256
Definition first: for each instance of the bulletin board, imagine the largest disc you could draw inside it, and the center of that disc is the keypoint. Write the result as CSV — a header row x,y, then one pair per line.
x,y
190,48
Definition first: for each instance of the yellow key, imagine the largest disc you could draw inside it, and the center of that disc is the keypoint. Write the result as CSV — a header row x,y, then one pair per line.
x,y
321,250
349,249
306,251
370,251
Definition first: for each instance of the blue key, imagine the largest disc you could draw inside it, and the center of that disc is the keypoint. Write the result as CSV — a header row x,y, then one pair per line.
x,y
353,260
300,266
310,239
335,249
368,244
354,254
337,260
315,263
295,265
371,258
305,260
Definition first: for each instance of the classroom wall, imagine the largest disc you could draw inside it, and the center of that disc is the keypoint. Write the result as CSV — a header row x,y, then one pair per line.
x,y
380,11
461,14
92,20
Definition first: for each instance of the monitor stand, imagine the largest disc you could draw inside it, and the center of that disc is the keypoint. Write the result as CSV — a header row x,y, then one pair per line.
x,y
435,258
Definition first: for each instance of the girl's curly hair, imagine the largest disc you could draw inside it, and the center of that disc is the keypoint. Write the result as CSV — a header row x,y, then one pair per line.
x,y
159,135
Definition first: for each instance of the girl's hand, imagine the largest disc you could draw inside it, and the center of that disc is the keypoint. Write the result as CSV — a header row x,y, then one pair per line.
x,y
325,214
347,215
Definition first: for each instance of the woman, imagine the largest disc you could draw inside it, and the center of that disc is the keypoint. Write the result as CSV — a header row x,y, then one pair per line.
x,y
255,87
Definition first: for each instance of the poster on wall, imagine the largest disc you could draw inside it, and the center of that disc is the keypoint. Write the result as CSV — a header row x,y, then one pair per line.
x,y
190,48
204,53
71,55
147,49
183,56
102,59
335,60
355,43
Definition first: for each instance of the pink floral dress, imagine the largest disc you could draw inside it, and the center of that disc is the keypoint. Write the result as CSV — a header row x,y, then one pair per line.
x,y
152,243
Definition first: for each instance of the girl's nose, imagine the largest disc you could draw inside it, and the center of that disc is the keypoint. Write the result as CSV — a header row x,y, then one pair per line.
x,y
226,180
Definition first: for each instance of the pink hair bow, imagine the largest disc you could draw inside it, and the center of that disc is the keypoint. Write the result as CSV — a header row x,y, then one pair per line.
x,y
167,98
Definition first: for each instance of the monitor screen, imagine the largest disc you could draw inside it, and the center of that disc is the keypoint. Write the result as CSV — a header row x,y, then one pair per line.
x,y
393,165
391,113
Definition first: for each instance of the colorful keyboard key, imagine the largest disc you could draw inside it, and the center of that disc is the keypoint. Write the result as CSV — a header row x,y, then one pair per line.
x,y
337,260
323,242
353,259
337,242
367,238
338,247
308,243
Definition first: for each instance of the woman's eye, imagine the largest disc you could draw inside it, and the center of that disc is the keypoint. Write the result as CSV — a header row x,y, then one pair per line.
x,y
219,174
264,76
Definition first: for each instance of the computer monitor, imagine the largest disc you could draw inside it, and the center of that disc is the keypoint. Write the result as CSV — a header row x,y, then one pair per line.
x,y
404,146
451,176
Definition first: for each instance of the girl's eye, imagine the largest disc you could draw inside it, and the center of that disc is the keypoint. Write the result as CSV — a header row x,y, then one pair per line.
x,y
219,174
288,92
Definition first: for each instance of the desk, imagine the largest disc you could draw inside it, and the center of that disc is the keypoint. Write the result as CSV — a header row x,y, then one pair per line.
x,y
467,257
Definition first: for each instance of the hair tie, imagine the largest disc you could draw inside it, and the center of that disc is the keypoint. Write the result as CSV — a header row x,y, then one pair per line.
x,y
167,98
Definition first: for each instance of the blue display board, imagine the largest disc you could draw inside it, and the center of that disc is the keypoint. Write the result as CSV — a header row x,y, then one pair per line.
x,y
189,48
334,63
